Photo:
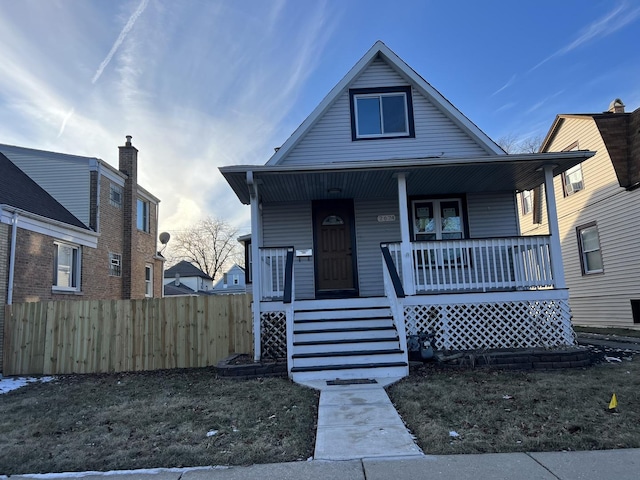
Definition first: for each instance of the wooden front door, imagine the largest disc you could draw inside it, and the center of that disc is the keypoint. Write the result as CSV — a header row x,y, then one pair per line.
x,y
335,258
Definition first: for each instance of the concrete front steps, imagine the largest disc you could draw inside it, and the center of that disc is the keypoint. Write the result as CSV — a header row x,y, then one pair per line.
x,y
345,340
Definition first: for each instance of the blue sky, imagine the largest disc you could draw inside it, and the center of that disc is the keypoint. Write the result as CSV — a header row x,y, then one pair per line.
x,y
205,83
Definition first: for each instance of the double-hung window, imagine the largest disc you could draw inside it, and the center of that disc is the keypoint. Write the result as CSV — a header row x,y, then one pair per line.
x,y
589,245
115,195
66,268
115,264
572,180
143,215
381,113
148,280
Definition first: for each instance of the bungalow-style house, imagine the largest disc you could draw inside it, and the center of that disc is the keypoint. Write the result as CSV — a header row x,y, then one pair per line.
x,y
232,282
188,279
597,205
74,228
388,213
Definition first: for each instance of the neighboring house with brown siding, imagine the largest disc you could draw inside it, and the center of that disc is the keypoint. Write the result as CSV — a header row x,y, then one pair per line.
x,y
597,205
83,229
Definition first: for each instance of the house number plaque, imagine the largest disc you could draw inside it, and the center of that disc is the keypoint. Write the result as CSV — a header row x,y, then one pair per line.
x,y
386,218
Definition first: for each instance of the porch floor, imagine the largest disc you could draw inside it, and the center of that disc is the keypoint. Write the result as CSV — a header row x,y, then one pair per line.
x,y
359,421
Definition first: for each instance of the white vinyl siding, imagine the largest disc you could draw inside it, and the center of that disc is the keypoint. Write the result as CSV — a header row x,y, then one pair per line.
x,y
597,299
286,225
64,177
330,140
370,233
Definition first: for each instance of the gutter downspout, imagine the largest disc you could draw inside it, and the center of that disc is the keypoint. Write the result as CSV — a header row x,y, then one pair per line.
x,y
12,257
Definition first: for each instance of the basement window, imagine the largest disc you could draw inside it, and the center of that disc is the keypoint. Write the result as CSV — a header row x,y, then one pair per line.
x,y
635,310
381,113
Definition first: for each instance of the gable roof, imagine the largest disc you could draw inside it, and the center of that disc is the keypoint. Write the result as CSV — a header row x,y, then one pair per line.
x,y
379,49
170,289
185,269
620,133
20,191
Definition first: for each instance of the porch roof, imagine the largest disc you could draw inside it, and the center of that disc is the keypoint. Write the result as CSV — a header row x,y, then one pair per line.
x,y
376,179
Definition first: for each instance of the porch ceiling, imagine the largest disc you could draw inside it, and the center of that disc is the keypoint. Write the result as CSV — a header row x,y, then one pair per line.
x,y
376,179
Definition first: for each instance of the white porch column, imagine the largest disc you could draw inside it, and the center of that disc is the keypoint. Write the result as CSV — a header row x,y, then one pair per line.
x,y
552,215
405,247
256,243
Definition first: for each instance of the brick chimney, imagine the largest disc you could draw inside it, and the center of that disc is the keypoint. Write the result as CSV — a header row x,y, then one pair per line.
x,y
616,106
128,164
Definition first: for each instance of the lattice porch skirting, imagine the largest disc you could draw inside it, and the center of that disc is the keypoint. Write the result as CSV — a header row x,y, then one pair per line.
x,y
507,324
273,334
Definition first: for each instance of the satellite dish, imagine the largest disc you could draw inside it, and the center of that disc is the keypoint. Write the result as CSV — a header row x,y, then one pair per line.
x,y
164,238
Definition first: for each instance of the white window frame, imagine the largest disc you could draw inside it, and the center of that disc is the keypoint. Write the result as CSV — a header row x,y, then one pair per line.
x,y
570,181
115,264
436,202
145,215
148,280
73,271
584,258
113,191
526,199
235,279
382,133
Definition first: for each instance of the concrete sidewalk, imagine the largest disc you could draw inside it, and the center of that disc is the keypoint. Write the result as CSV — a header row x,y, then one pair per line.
x,y
601,464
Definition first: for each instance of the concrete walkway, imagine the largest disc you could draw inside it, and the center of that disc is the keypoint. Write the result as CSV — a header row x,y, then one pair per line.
x,y
359,421
604,464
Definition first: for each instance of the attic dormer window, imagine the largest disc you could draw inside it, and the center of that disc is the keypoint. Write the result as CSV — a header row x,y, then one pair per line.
x,y
381,113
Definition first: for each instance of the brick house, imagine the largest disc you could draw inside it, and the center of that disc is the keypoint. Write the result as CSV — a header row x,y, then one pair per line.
x,y
83,229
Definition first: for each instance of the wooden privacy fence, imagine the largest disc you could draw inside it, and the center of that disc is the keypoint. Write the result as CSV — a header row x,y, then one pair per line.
x,y
96,336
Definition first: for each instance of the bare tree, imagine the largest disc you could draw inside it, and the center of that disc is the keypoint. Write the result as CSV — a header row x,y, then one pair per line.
x,y
210,245
512,144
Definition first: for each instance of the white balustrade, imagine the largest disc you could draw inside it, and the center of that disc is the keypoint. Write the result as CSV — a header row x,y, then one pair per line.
x,y
272,267
488,264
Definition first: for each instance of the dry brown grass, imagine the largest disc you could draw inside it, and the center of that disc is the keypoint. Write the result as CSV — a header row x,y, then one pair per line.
x,y
543,411
155,419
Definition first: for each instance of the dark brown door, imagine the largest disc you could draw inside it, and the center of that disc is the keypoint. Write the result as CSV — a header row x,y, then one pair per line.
x,y
335,248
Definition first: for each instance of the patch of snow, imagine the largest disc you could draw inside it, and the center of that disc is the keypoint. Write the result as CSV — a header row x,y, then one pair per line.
x,y
13,383
211,433
453,434
144,471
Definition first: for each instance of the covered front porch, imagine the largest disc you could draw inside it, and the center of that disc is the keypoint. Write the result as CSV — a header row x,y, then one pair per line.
x,y
470,289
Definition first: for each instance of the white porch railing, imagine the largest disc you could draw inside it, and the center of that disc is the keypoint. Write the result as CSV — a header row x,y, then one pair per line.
x,y
272,268
488,264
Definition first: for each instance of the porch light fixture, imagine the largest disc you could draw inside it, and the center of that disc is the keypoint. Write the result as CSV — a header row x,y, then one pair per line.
x,y
334,191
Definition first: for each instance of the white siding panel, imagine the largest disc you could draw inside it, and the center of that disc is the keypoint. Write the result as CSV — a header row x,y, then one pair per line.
x,y
291,225
64,177
369,234
492,215
329,140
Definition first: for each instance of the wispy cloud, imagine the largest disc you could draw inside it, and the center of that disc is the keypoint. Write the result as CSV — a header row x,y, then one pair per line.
x,y
123,34
539,104
505,86
619,17
506,106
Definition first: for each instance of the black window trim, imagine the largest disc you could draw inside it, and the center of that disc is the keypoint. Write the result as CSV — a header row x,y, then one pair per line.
x,y
368,91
